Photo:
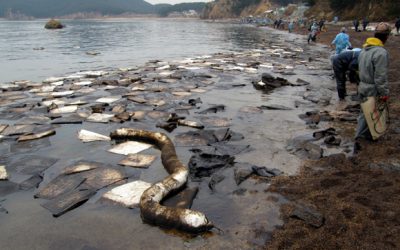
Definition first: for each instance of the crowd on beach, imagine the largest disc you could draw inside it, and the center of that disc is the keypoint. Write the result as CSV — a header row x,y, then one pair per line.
x,y
367,67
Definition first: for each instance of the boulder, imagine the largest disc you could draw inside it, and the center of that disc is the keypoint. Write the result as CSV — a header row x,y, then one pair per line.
x,y
54,24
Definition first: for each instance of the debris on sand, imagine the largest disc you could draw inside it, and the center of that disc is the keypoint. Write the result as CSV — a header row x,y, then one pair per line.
x,y
38,135
3,173
138,160
88,136
128,194
129,147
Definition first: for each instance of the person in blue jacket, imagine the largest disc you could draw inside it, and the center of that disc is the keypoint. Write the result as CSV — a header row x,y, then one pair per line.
x,y
341,41
345,61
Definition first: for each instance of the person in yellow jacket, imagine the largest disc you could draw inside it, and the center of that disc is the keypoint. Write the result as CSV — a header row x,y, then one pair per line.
x,y
373,63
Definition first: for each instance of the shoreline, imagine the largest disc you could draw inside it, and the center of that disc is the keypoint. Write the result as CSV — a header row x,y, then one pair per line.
x,y
357,209
159,83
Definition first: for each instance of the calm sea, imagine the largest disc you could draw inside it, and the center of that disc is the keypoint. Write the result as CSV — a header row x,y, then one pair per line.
x,y
30,52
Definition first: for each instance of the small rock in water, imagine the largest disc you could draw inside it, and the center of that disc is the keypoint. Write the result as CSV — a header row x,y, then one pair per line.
x,y
213,109
215,179
242,172
205,164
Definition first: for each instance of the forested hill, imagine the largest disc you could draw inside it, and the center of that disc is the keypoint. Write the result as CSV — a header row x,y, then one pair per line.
x,y
346,9
57,8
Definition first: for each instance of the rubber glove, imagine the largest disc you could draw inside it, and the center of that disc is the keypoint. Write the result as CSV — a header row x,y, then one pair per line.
x,y
384,98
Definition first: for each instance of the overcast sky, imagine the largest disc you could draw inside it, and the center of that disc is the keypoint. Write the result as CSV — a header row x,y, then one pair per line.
x,y
174,1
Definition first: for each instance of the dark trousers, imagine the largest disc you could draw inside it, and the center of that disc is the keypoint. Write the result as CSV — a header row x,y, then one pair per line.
x,y
340,76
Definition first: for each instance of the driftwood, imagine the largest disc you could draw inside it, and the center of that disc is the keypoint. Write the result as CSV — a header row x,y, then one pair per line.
x,y
150,208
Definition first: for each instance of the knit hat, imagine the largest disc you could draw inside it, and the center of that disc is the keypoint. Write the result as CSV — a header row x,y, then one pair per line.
x,y
383,28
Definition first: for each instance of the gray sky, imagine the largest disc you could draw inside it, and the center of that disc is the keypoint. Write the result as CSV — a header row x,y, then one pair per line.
x,y
174,1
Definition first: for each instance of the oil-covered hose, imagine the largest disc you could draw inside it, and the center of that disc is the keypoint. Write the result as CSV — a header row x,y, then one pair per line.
x,y
150,208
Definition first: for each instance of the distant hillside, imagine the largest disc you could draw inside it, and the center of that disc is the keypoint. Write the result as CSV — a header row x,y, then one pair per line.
x,y
165,10
53,8
375,10
239,8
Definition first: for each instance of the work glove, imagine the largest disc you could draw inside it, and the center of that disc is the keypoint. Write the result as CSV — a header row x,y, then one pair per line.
x,y
384,98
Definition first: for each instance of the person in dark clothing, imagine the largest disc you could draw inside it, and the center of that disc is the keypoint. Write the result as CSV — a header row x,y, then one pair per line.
x,y
356,23
321,24
365,23
397,24
345,61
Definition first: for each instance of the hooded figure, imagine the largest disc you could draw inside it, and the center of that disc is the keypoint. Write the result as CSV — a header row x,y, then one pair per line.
x,y
373,63
341,41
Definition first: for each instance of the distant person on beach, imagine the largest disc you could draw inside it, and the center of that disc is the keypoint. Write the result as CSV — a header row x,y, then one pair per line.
x,y
373,71
312,36
335,19
356,23
321,24
342,63
365,23
291,26
397,24
341,41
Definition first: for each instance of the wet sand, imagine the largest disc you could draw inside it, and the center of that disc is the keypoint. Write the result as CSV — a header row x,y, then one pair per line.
x,y
357,196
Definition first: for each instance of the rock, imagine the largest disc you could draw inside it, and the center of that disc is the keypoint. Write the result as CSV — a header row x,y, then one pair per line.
x,y
266,172
304,148
242,172
308,215
268,82
54,24
213,109
240,191
167,126
204,164
275,107
323,133
332,140
193,102
215,179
